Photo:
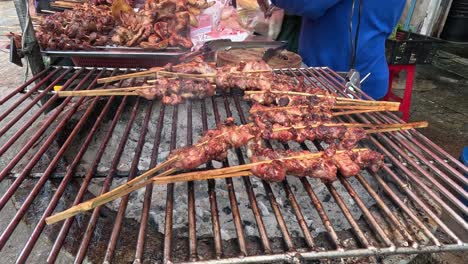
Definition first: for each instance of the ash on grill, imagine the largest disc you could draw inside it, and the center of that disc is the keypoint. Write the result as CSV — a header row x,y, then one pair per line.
x,y
204,225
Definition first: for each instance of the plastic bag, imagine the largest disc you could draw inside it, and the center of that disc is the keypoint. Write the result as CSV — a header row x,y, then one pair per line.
x,y
248,4
220,21
208,20
255,19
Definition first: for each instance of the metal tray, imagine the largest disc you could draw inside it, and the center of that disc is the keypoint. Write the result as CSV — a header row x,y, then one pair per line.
x,y
117,52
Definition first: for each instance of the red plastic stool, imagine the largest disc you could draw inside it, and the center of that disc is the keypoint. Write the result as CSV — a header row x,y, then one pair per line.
x,y
406,100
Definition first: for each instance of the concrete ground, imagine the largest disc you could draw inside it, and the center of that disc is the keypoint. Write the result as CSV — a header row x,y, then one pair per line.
x,y
439,97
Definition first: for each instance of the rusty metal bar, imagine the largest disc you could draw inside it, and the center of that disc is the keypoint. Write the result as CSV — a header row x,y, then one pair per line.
x,y
425,173
367,214
318,206
459,189
215,219
193,255
89,175
23,86
325,220
230,186
124,202
237,217
277,212
390,216
248,187
428,211
279,217
108,181
413,132
355,227
299,216
461,178
19,133
61,188
428,190
170,196
416,179
28,124
37,156
60,175
411,136
299,257
30,92
32,140
149,190
432,145
405,208
296,208
38,98
444,177
25,205
212,196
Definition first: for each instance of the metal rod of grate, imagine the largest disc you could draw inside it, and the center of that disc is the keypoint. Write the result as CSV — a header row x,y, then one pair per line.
x,y
420,189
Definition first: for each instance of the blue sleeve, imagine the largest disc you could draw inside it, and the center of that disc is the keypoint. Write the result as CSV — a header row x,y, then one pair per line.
x,y
307,8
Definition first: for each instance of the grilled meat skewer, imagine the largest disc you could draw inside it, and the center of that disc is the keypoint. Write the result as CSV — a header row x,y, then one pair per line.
x,y
214,145
348,163
175,91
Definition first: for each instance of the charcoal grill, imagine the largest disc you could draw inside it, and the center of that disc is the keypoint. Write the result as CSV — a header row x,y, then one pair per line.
x,y
52,160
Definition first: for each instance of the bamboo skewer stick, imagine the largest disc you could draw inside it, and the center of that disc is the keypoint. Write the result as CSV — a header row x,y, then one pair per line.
x,y
101,91
199,177
354,112
374,127
112,195
354,107
186,75
195,79
419,124
345,103
241,170
132,186
129,75
208,75
384,107
125,89
98,93
341,100
361,104
130,91
398,128
161,71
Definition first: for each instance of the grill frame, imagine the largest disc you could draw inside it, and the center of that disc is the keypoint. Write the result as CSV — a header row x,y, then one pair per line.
x,y
445,172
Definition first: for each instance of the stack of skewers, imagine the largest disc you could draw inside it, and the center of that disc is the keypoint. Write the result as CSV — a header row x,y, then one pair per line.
x,y
283,109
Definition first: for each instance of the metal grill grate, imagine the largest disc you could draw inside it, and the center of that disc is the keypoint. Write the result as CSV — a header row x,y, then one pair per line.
x,y
96,143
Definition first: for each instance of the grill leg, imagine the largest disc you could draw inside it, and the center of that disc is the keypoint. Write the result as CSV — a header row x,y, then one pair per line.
x,y
33,52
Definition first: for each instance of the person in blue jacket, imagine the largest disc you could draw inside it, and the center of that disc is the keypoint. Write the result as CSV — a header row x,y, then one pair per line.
x,y
326,39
